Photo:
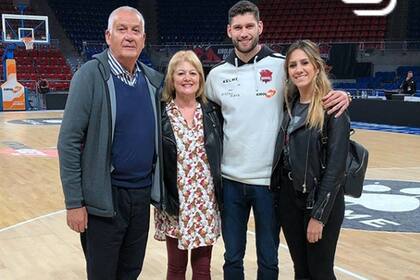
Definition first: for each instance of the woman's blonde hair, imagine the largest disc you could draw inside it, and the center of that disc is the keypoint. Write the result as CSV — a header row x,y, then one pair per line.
x,y
168,93
321,83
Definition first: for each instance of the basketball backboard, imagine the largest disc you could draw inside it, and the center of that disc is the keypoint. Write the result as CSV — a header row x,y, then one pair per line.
x,y
15,27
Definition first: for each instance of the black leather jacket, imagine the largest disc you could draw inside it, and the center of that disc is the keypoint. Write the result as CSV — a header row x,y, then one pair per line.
x,y
322,183
213,145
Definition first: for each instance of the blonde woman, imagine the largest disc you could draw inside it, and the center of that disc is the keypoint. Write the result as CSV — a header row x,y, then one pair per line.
x,y
309,197
192,148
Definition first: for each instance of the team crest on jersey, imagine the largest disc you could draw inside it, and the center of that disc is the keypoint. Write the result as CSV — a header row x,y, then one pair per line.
x,y
266,75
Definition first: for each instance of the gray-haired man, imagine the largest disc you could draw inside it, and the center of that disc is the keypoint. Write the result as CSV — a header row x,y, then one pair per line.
x,y
108,151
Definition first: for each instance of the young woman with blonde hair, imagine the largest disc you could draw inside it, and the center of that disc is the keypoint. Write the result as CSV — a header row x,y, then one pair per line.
x,y
309,196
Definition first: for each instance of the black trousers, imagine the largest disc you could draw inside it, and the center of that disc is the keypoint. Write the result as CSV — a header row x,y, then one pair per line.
x,y
114,247
313,261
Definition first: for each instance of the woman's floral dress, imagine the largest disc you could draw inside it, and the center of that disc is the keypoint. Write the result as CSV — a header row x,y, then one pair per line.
x,y
198,223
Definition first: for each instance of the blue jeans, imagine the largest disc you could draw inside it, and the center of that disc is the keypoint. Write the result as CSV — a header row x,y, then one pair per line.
x,y
238,199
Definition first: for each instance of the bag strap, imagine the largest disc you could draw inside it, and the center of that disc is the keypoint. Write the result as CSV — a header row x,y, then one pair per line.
x,y
324,141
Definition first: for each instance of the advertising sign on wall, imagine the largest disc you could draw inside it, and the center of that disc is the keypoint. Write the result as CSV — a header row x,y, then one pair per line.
x,y
13,92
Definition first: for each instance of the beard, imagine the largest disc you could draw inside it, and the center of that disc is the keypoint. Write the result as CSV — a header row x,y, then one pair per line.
x,y
237,45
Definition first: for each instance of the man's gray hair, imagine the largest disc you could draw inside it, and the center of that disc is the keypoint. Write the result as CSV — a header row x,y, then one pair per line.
x,y
111,17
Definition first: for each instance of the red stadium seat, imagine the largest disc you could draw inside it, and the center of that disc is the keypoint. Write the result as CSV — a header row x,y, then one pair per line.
x,y
325,20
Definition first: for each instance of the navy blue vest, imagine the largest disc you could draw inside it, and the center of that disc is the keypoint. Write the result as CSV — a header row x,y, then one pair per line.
x,y
133,148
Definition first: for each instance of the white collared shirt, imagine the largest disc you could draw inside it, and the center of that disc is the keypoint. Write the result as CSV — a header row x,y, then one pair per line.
x,y
121,73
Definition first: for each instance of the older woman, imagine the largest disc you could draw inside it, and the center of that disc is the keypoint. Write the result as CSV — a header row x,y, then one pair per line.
x,y
192,147
310,198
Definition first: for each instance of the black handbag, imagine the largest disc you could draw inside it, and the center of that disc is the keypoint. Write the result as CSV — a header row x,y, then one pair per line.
x,y
356,165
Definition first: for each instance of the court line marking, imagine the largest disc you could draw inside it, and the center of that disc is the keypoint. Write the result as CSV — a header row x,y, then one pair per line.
x,y
393,179
382,231
345,271
392,168
31,112
31,220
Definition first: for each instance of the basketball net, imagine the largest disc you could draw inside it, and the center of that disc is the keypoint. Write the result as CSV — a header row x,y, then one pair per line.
x,y
29,43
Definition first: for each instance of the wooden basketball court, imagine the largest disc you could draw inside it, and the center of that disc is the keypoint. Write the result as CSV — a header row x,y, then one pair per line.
x,y
35,242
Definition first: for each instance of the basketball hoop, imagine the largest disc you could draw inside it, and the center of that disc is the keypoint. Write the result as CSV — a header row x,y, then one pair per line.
x,y
29,42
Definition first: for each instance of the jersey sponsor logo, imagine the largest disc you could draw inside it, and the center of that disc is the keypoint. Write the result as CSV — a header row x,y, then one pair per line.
x,y
266,75
226,81
14,89
229,94
270,93
385,205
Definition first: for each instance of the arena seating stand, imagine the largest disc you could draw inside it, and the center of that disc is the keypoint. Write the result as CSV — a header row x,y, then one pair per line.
x,y
6,7
193,21
46,63
85,23
413,20
43,63
85,20
382,80
321,21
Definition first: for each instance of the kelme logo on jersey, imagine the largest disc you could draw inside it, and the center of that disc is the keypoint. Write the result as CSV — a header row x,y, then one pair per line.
x,y
226,81
266,75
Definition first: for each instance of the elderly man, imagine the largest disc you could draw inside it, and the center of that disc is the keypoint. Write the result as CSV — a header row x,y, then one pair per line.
x,y
108,151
